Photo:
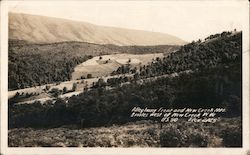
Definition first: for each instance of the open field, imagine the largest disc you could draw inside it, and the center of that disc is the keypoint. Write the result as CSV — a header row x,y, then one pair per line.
x,y
226,133
106,64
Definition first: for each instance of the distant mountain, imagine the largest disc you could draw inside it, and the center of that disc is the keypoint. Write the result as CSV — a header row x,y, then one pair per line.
x,y
41,29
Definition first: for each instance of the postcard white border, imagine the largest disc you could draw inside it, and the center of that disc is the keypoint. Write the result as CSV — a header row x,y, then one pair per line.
x,y
122,151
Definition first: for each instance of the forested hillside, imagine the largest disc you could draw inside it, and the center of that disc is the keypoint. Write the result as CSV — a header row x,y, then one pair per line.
x,y
37,64
215,81
223,52
220,50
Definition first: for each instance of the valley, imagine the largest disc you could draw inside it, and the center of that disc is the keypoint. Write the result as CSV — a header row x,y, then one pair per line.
x,y
39,64
74,83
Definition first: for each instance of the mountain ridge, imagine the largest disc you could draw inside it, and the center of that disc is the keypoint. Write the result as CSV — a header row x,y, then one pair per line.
x,y
43,29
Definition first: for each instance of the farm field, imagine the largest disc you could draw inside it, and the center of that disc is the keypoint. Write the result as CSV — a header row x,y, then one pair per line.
x,y
105,64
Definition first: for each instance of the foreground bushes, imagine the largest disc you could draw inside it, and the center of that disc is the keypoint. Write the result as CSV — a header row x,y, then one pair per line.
x,y
137,134
226,133
172,137
232,137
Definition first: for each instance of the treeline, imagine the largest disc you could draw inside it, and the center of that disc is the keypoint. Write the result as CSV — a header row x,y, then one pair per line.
x,y
38,64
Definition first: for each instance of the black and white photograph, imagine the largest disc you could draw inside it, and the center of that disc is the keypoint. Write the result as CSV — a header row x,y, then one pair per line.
x,y
125,74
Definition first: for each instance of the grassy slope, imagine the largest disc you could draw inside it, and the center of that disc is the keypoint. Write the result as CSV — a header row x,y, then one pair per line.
x,y
98,68
225,133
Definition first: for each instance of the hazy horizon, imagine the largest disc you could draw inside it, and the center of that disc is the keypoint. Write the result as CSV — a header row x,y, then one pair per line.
x,y
186,20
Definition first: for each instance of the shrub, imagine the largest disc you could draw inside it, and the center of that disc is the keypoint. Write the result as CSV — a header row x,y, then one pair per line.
x,y
74,86
232,137
171,138
89,76
198,139
65,90
55,92
151,131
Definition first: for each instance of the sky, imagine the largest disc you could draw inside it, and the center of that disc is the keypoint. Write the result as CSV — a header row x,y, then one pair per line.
x,y
188,20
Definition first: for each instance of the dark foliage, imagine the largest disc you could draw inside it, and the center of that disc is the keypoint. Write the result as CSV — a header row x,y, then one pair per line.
x,y
218,50
100,106
36,67
232,137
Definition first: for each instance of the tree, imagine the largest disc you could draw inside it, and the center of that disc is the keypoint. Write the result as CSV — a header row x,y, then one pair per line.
x,y
82,77
129,60
89,76
65,90
55,92
85,88
47,87
101,83
74,87
17,94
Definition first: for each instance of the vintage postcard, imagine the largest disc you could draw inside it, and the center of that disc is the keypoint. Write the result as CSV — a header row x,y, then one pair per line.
x,y
125,77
